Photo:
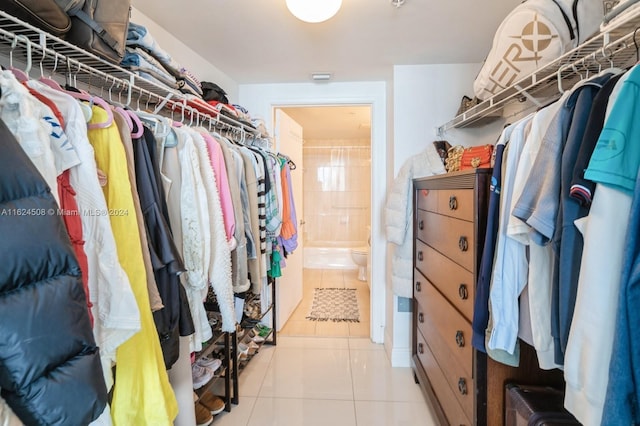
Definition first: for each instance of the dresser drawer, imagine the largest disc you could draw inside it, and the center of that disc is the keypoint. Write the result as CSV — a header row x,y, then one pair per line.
x,y
427,199
452,237
457,373
452,280
435,315
446,398
456,203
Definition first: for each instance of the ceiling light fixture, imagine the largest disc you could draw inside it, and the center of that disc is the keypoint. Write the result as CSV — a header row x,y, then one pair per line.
x,y
321,76
314,11
397,3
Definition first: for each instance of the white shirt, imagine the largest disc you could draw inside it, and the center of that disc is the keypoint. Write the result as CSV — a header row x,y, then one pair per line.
x,y
540,258
115,311
510,267
586,366
219,260
22,113
196,234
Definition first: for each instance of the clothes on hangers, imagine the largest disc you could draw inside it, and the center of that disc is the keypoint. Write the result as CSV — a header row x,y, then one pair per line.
x,y
129,199
580,282
42,299
155,300
115,310
139,359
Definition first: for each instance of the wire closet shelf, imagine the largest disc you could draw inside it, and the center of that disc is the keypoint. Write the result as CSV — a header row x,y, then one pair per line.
x,y
38,49
616,46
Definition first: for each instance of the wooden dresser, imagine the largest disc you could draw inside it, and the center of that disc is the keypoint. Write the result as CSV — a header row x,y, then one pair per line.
x,y
465,386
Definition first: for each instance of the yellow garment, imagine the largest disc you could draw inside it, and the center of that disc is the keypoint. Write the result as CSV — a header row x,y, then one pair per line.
x,y
142,393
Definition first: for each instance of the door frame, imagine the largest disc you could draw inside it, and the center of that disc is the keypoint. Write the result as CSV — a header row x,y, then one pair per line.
x,y
378,193
291,280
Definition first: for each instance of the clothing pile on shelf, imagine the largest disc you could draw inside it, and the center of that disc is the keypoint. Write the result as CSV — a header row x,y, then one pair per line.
x,y
144,57
559,263
157,213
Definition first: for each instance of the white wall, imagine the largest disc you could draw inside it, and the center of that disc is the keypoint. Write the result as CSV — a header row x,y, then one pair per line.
x,y
203,68
425,97
260,99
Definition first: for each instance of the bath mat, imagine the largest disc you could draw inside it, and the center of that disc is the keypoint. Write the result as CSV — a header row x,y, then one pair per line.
x,y
334,304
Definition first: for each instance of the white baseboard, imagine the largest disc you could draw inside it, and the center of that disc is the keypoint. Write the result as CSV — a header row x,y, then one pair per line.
x,y
400,357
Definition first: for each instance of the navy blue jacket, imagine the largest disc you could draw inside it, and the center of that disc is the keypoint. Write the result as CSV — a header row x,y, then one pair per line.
x,y
50,371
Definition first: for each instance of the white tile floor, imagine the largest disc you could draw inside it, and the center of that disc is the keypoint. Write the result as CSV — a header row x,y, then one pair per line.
x,y
309,381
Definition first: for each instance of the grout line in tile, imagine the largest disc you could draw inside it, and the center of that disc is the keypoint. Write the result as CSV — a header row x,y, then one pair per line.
x,y
353,384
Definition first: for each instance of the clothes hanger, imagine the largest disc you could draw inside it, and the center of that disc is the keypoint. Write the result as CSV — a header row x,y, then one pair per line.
x,y
19,74
92,100
119,109
49,81
559,77
612,69
133,121
136,120
87,112
142,118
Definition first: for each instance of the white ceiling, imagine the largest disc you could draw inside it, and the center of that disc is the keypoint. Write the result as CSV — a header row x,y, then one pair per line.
x,y
259,41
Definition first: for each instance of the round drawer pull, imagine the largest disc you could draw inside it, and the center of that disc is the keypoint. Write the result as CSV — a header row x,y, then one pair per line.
x,y
460,339
421,225
453,203
420,256
420,348
418,286
463,292
462,386
421,317
463,244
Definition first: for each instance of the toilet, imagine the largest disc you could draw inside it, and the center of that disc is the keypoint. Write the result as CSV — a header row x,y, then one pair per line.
x,y
359,256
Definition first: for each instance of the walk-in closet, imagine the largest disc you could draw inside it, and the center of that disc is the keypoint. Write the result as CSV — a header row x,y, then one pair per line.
x,y
312,212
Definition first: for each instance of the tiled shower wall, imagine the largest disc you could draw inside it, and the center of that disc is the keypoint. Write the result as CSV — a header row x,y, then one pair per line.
x,y
337,192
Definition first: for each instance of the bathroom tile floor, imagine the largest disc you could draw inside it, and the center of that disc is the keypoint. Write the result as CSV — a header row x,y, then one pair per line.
x,y
298,325
309,381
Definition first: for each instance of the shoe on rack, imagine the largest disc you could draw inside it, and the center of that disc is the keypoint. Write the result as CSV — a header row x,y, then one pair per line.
x,y
253,347
258,339
211,402
263,330
201,375
203,415
243,350
209,362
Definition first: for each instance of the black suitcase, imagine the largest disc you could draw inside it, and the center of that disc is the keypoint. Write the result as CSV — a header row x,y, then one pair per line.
x,y
536,406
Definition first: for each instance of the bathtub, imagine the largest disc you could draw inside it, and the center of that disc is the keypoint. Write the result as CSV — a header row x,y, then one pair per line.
x,y
328,258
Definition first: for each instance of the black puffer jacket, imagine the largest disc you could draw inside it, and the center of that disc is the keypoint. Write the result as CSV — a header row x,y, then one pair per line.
x,y
50,371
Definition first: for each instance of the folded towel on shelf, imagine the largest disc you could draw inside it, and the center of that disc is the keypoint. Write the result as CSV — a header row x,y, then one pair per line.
x,y
192,80
186,86
138,35
137,59
140,40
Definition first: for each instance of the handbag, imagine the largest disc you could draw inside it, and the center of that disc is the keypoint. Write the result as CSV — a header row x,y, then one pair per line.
x,y
100,27
44,14
476,157
454,156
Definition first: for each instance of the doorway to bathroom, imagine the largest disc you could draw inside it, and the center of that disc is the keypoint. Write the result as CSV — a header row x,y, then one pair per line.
x,y
336,220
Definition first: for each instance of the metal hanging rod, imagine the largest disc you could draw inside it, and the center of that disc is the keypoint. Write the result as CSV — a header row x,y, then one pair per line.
x,y
58,57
